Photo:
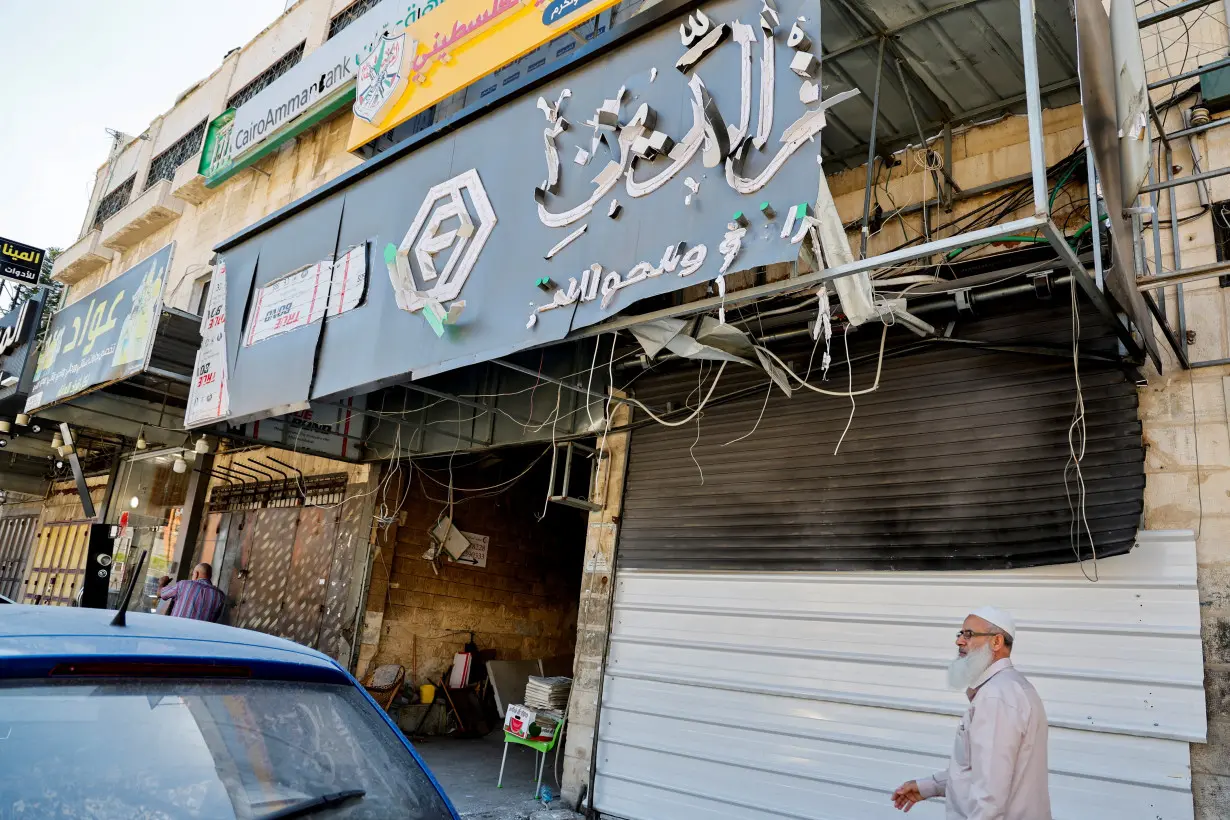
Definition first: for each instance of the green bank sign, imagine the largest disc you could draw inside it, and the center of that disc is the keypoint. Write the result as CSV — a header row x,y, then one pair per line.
x,y
317,87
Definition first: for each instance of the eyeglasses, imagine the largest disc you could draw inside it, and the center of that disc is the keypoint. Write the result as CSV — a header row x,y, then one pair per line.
x,y
969,633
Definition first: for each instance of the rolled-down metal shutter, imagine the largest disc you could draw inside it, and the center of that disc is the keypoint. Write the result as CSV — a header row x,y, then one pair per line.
x,y
957,461
763,696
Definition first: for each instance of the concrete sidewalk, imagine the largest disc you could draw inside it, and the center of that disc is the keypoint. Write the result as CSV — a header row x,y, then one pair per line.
x,y
468,771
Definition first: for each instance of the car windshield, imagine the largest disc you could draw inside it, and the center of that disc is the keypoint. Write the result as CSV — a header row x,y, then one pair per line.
x,y
154,749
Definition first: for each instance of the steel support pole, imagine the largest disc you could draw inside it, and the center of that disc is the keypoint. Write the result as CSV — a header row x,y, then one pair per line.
x,y
948,167
1099,299
1175,250
871,155
1198,129
1183,277
1195,72
1033,107
184,557
1160,317
922,144
1187,180
1155,201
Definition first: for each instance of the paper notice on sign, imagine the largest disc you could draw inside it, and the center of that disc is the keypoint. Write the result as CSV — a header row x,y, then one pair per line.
x,y
289,303
308,295
208,399
348,281
476,554
323,428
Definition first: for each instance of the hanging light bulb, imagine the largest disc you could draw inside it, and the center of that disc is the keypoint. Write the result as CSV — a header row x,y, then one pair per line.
x,y
201,448
134,502
5,426
23,419
179,465
57,441
141,442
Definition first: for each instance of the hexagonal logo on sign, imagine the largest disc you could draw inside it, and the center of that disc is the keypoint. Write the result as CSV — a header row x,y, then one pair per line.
x,y
443,243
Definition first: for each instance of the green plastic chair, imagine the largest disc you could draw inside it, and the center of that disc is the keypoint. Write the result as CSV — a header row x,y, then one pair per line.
x,y
542,747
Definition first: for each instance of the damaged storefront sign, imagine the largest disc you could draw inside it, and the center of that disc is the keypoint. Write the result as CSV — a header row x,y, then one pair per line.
x,y
104,337
469,256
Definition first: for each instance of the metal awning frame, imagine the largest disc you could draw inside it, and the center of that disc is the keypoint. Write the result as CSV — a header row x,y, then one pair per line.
x,y
1041,220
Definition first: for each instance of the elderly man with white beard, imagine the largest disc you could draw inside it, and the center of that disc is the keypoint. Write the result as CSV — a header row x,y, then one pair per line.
x,y
998,766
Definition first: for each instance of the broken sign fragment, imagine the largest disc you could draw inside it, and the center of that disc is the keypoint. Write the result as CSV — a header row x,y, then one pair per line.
x,y
615,208
732,243
566,241
582,156
798,39
696,27
809,92
804,64
708,43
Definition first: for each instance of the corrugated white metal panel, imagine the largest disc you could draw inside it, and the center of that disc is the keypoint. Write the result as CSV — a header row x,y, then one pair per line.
x,y
813,695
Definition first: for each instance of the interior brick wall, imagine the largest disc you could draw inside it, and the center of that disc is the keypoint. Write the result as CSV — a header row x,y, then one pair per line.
x,y
523,604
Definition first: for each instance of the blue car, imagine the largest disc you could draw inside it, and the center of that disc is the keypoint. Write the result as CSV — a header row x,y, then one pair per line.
x,y
174,718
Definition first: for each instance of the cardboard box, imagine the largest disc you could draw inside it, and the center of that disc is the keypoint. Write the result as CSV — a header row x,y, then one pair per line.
x,y
527,724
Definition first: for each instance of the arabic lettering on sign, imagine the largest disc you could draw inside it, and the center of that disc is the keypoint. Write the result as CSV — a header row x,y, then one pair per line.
x,y
20,262
208,397
19,332
104,337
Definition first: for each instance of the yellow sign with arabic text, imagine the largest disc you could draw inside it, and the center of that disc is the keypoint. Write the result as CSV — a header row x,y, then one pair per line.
x,y
442,53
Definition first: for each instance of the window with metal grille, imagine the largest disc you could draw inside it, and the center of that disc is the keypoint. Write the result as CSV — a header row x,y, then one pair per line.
x,y
312,490
110,205
349,14
164,165
1221,236
285,63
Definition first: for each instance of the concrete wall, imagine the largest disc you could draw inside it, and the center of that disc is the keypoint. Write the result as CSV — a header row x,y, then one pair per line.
x,y
523,604
597,587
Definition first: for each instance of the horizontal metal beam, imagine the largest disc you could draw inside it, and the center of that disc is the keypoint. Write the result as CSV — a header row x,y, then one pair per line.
x,y
810,280
1182,277
1172,12
1100,300
1198,129
1187,180
1171,339
1187,75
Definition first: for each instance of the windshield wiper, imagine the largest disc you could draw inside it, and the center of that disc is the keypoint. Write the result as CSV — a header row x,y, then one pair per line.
x,y
313,804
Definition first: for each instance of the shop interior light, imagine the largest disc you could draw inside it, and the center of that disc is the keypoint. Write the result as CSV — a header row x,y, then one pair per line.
x,y
57,441
201,448
141,442
134,502
5,425
179,465
64,450
23,419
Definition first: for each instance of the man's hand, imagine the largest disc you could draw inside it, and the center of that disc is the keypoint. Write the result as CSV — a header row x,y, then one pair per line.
x,y
907,795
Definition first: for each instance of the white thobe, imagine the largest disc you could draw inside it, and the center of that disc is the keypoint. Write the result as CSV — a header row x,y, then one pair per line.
x,y
998,766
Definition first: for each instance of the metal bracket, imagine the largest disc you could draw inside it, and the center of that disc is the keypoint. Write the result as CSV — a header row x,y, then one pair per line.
x,y
569,448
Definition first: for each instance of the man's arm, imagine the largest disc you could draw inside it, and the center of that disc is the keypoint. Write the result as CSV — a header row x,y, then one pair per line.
x,y
169,592
995,736
934,786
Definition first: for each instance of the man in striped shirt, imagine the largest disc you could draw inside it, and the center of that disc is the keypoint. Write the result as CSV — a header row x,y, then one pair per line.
x,y
196,598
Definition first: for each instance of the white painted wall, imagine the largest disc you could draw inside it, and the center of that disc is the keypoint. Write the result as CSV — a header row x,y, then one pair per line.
x,y
814,695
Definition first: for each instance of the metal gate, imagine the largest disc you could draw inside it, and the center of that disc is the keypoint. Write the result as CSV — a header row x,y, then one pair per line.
x,y
275,565
16,536
58,566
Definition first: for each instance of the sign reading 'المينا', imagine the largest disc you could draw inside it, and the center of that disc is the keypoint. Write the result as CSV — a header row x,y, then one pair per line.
x,y
449,50
20,262
103,337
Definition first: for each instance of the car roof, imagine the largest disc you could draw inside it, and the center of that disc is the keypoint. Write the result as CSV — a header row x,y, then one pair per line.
x,y
71,633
